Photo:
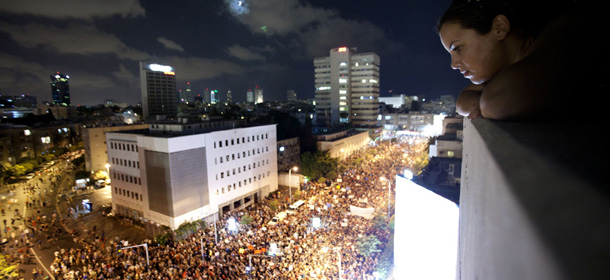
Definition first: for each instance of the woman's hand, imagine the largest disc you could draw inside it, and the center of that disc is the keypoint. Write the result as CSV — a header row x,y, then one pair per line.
x,y
468,102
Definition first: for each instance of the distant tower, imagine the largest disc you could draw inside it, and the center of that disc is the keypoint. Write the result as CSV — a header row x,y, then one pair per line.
x,y
188,95
291,95
60,89
159,95
250,96
347,88
206,96
258,95
229,97
214,96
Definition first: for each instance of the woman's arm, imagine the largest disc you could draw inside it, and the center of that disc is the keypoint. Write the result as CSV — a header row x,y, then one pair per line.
x,y
467,103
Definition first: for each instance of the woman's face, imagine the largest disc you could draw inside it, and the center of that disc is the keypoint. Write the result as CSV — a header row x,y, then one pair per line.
x,y
478,57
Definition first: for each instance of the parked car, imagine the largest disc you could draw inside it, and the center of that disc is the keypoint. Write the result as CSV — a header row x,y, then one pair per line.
x,y
279,217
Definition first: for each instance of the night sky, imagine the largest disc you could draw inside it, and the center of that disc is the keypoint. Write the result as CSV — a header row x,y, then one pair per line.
x,y
216,44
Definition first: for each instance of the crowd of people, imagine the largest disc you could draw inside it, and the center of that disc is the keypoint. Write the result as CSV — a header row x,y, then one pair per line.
x,y
299,250
32,229
302,251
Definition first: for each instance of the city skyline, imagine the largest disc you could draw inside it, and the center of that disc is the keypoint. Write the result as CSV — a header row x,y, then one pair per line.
x,y
224,45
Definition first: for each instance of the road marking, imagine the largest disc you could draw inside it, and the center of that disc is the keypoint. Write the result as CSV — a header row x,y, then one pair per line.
x,y
41,264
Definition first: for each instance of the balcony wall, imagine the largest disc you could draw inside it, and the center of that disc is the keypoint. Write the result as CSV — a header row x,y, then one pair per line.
x,y
534,202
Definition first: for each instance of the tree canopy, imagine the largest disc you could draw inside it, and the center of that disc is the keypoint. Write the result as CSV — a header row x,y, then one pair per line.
x,y
319,164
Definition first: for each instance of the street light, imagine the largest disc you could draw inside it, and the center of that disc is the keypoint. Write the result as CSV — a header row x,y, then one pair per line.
x,y
290,181
389,194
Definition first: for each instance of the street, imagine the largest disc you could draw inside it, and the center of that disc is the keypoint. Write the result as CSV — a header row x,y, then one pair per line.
x,y
44,216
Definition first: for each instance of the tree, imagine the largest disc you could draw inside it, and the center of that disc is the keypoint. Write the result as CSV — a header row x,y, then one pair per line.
x,y
7,270
163,239
367,245
296,194
246,220
18,170
201,224
185,230
5,169
319,164
100,175
273,204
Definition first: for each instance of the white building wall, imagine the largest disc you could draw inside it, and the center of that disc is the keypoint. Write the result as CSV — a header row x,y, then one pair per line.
x,y
126,172
344,147
249,160
251,155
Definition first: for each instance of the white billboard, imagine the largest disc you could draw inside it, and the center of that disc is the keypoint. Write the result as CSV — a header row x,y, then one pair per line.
x,y
425,233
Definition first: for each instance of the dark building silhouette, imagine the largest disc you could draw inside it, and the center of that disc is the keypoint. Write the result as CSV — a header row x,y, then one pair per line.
x,y
442,176
60,89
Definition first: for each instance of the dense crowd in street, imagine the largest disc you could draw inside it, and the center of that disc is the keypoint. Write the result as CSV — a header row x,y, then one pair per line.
x,y
304,252
30,222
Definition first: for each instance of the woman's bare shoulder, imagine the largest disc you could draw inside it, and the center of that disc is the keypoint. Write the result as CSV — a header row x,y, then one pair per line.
x,y
569,57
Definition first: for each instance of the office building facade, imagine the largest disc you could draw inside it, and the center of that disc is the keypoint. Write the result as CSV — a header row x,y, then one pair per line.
x,y
258,95
167,178
159,94
60,89
347,88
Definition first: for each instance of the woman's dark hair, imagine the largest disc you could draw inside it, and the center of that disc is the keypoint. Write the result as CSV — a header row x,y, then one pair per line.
x,y
527,18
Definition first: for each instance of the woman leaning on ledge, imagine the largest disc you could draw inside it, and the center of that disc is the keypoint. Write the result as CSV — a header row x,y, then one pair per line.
x,y
529,60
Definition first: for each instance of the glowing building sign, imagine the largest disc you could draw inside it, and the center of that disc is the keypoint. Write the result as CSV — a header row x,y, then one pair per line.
x,y
160,68
342,49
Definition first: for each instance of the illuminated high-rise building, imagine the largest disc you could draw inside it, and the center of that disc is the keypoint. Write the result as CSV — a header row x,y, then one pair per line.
x,y
229,97
159,95
250,96
214,96
188,93
291,95
347,88
258,95
60,89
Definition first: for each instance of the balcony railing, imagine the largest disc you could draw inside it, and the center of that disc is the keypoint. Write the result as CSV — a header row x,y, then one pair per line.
x,y
534,202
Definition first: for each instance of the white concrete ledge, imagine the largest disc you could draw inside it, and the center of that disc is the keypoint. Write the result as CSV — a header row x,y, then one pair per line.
x,y
532,205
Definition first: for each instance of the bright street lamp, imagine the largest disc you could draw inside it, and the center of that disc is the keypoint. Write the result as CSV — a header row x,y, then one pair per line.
x,y
389,194
290,181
